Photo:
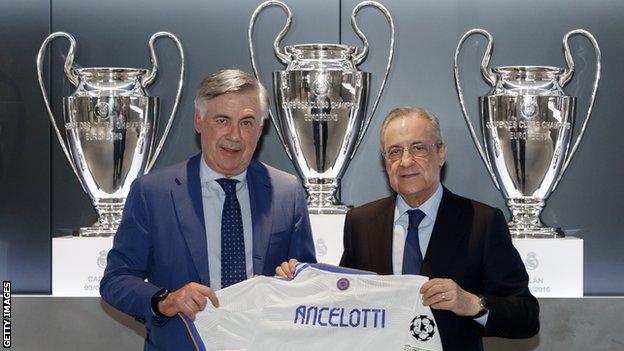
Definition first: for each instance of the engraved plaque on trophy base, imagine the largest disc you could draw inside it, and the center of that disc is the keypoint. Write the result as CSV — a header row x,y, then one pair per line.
x,y
78,265
327,234
555,266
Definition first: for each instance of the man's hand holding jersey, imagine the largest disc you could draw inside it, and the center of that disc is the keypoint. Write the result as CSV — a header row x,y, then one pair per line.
x,y
193,297
287,269
445,294
188,300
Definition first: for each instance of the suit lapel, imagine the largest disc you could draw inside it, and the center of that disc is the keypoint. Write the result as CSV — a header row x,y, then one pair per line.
x,y
187,199
260,200
445,238
381,236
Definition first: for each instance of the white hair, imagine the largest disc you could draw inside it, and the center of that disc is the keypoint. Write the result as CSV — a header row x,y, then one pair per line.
x,y
230,81
412,112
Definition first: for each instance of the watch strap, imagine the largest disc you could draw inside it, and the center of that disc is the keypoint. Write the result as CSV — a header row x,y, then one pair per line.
x,y
484,307
160,295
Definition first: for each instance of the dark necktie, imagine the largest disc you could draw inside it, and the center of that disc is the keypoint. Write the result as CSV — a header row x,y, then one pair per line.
x,y
233,268
412,257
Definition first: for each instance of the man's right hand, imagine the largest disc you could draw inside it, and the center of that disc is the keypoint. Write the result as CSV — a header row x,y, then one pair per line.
x,y
188,300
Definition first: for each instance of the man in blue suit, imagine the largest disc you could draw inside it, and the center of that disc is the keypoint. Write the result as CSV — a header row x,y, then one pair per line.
x,y
209,222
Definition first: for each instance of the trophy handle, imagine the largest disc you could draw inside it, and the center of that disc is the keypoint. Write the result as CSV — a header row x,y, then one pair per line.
x,y
149,79
284,58
359,58
566,77
490,77
71,76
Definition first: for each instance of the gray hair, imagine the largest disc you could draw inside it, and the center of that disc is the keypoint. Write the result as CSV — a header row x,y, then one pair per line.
x,y
230,81
415,112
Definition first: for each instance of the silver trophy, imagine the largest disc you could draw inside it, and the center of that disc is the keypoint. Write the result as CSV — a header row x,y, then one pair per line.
x,y
110,124
527,121
321,102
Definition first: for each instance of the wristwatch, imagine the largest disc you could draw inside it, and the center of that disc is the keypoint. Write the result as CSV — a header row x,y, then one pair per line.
x,y
156,298
485,308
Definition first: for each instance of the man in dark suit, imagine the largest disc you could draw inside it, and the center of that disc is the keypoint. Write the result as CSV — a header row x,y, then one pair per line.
x,y
209,222
478,285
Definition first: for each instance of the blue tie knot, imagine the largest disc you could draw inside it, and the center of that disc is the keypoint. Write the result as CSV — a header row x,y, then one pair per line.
x,y
228,185
415,217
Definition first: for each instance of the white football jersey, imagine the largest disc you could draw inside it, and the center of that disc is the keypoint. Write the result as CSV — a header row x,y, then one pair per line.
x,y
322,308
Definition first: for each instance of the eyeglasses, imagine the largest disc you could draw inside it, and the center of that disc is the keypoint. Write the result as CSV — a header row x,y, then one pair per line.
x,y
395,153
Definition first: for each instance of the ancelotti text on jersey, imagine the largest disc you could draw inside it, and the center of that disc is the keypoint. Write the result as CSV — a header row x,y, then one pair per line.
x,y
339,317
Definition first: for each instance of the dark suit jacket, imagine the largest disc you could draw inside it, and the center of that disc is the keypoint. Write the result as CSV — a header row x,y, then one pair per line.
x,y
162,238
470,244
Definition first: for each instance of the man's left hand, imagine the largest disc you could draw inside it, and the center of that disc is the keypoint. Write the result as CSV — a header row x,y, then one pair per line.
x,y
445,294
287,269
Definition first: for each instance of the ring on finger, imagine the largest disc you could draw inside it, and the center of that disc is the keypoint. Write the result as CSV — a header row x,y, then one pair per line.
x,y
444,298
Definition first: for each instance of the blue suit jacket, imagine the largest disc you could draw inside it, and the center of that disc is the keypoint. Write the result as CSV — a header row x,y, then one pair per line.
x,y
162,238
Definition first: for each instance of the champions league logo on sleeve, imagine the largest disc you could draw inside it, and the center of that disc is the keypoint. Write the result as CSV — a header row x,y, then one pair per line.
x,y
422,328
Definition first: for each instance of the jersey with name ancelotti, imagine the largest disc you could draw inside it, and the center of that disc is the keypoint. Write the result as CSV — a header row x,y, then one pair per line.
x,y
322,308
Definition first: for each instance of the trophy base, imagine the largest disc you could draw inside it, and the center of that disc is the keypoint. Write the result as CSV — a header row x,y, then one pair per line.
x,y
110,212
322,199
525,220
335,209
95,231
535,233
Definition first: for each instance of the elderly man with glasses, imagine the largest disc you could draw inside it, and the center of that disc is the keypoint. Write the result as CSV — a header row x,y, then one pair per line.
x,y
478,285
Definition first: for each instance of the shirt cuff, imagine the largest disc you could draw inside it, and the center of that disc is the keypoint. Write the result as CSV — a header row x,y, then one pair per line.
x,y
483,319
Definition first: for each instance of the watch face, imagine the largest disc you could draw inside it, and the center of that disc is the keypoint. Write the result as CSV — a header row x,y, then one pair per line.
x,y
162,295
483,304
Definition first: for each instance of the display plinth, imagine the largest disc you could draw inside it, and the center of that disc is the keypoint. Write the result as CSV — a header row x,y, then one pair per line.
x,y
555,266
327,232
78,265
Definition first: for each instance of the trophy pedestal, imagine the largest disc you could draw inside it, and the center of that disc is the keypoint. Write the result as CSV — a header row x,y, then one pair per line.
x,y
99,228
78,265
322,199
555,266
525,220
109,212
327,232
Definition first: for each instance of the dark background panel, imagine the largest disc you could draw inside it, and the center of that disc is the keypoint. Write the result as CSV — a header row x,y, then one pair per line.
x,y
587,201
24,150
